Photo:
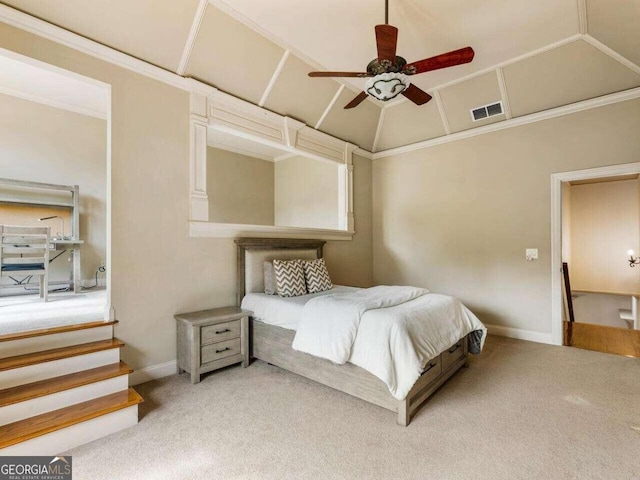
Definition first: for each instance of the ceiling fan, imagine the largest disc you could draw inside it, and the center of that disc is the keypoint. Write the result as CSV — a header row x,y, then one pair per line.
x,y
388,74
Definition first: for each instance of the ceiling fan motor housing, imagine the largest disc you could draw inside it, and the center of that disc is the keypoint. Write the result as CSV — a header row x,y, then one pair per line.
x,y
377,66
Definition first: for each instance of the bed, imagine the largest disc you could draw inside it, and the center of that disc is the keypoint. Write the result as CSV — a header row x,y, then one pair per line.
x,y
273,330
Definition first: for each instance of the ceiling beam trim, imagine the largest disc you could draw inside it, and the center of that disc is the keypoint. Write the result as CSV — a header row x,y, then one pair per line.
x,y
374,146
443,115
583,25
612,53
503,92
525,56
610,99
329,107
193,35
38,27
274,78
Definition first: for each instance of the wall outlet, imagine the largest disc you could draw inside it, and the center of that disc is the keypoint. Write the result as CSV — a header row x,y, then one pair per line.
x,y
531,254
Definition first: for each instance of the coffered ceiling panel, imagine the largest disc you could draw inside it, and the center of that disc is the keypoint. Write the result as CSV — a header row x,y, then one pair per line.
x,y
339,34
153,30
616,23
298,96
357,125
568,74
232,57
407,123
458,101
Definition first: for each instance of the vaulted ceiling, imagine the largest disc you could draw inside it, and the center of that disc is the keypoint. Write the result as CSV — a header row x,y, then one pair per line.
x,y
532,56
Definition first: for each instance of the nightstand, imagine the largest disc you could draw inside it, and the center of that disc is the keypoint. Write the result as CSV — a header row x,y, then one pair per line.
x,y
212,339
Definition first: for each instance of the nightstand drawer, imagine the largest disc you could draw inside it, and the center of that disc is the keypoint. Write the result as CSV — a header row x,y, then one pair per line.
x,y
453,354
220,332
216,351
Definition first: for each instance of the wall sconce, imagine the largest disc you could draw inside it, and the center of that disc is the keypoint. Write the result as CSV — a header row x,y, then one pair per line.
x,y
59,237
633,261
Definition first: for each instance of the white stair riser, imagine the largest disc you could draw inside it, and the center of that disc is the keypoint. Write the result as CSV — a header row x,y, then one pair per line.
x,y
66,398
57,340
60,441
57,368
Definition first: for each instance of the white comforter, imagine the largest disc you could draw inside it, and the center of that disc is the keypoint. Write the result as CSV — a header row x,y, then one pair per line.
x,y
392,332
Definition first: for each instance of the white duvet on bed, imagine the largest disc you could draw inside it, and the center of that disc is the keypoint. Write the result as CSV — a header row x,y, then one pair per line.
x,y
284,312
394,343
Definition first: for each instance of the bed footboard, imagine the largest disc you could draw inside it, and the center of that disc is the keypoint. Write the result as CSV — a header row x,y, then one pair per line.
x,y
436,372
272,344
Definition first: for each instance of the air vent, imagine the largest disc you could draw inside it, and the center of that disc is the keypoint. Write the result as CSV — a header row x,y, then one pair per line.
x,y
487,111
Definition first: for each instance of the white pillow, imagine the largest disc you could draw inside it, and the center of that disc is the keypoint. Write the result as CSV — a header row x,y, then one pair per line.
x,y
270,287
289,278
316,276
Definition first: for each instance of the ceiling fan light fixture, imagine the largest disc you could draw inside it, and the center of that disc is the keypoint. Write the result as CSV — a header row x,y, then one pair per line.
x,y
387,86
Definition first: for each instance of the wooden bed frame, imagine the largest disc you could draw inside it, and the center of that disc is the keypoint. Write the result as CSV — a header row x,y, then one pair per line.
x,y
272,344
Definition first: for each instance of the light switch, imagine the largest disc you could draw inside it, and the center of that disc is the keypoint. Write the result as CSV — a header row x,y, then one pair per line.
x,y
531,254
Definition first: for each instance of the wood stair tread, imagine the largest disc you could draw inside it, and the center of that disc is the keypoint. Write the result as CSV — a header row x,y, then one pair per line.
x,y
58,353
49,386
65,417
53,330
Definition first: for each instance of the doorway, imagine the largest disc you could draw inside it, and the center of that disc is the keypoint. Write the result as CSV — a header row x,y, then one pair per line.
x,y
595,227
55,173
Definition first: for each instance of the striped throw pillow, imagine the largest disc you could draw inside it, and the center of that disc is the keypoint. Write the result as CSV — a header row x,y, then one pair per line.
x,y
316,276
289,278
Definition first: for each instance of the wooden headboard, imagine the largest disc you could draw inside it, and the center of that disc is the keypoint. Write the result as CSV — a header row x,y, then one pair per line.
x,y
268,244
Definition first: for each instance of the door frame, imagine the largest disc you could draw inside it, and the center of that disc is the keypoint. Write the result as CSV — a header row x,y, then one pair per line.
x,y
556,233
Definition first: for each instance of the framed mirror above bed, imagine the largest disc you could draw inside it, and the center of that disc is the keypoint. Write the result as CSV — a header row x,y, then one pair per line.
x,y
254,172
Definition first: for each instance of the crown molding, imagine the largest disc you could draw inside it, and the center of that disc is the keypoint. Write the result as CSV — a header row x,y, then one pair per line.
x,y
515,122
361,152
53,103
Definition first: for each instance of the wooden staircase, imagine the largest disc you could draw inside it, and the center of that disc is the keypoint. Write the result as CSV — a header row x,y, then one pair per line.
x,y
62,387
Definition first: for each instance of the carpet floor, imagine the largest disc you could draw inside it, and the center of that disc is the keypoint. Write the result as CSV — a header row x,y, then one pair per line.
x,y
29,312
520,411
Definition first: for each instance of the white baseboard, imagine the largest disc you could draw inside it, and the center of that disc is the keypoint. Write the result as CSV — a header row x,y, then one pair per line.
x,y
520,334
153,372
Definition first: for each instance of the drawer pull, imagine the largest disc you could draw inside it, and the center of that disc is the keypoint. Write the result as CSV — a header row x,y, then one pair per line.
x,y
431,365
454,348
218,332
223,350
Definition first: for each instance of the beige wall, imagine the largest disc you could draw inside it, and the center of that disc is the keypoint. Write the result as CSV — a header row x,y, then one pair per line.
x,y
240,188
599,309
158,270
604,226
306,193
351,262
457,218
45,144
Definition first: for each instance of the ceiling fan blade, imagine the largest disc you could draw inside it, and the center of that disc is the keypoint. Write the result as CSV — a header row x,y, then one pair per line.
x,y
356,101
339,74
386,39
444,60
416,95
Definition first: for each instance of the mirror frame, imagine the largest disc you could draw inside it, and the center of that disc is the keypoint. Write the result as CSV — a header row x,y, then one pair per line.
x,y
211,108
